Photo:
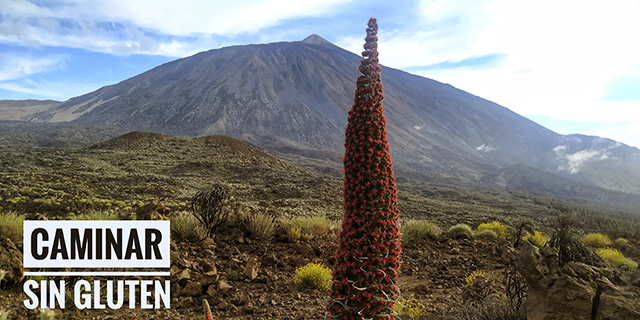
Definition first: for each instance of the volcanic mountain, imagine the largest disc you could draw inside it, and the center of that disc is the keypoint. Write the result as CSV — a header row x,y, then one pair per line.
x,y
292,99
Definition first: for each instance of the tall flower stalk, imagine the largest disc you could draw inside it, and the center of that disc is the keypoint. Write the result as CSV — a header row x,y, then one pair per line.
x,y
367,261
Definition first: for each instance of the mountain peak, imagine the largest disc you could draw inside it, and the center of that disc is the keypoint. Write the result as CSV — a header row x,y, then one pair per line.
x,y
315,39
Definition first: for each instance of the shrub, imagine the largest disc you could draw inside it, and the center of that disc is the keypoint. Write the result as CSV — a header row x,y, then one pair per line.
x,y
538,239
311,226
410,307
314,276
260,225
209,207
293,233
96,215
187,227
500,229
11,226
597,240
491,309
620,243
460,230
611,256
419,230
629,265
486,234
471,278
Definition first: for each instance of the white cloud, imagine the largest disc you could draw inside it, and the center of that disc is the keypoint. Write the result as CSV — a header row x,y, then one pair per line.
x,y
164,27
13,66
559,56
486,148
574,162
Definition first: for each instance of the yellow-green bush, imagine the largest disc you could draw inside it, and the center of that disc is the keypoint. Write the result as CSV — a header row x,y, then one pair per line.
x,y
410,307
620,243
314,276
416,230
538,239
460,229
11,226
597,240
471,278
616,259
629,264
500,229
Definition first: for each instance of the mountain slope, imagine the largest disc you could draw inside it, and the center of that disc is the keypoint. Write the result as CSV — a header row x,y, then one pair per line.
x,y
293,98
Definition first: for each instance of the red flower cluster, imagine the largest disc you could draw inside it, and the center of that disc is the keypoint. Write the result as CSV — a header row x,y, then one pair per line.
x,y
367,261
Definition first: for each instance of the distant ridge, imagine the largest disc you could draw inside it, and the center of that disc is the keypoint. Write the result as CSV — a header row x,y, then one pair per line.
x,y
292,99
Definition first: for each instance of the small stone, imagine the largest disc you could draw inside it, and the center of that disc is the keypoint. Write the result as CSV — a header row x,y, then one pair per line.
x,y
210,277
211,290
252,268
222,306
192,289
223,285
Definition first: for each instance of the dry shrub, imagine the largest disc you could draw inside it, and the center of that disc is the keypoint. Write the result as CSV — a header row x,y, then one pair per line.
x,y
417,230
569,244
486,234
209,207
11,226
491,309
96,215
259,224
187,228
460,230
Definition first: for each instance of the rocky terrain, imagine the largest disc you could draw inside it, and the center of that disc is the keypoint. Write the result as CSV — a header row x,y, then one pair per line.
x,y
247,278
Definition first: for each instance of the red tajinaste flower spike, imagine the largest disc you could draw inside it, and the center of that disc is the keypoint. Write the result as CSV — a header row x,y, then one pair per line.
x,y
369,241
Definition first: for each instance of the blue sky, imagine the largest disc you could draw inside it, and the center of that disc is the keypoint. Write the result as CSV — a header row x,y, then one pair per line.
x,y
572,66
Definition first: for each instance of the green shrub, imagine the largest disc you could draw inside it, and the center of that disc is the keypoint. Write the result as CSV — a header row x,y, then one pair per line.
x,y
419,230
620,243
460,229
597,240
500,229
538,239
486,234
314,276
187,227
259,224
611,256
629,265
11,226
410,307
